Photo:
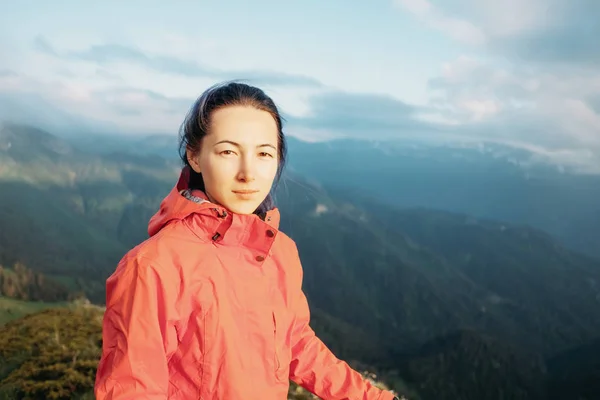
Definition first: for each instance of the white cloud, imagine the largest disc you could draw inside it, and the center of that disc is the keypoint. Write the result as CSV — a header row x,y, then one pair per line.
x,y
583,122
178,45
480,109
434,17
542,110
131,95
545,31
9,81
513,17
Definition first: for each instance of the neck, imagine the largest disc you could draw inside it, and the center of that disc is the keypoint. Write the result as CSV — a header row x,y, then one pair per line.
x,y
212,199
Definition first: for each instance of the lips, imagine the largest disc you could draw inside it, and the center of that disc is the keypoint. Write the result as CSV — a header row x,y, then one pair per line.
x,y
245,191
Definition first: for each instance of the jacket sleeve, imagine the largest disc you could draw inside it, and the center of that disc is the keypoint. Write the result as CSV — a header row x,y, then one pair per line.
x,y
138,335
317,369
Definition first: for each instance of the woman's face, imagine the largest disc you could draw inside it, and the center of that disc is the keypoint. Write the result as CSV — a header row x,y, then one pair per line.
x,y
238,158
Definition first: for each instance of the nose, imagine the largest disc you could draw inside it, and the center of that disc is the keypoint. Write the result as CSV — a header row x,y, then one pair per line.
x,y
246,171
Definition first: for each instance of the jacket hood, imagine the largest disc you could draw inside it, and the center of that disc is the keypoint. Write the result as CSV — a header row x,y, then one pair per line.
x,y
182,202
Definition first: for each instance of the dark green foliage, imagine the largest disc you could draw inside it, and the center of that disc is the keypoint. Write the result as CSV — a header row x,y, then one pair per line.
x,y
52,354
346,339
408,276
467,365
53,234
575,374
532,284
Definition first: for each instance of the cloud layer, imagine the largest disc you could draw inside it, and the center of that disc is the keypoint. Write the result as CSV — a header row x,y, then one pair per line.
x,y
548,31
107,54
529,76
526,74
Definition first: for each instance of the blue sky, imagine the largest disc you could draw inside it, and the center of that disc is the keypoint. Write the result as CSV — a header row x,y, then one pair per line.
x,y
519,72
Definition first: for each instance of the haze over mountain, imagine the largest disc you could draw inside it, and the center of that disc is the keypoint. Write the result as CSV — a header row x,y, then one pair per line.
x,y
391,287
483,180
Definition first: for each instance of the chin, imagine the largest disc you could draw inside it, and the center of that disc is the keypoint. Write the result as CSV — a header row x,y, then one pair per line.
x,y
242,208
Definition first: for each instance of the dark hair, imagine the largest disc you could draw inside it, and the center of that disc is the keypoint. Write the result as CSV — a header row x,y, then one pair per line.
x,y
197,125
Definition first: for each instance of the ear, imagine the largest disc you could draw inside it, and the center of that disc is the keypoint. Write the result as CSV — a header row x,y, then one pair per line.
x,y
192,157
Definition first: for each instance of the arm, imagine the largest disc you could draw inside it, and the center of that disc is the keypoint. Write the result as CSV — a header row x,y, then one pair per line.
x,y
317,369
137,334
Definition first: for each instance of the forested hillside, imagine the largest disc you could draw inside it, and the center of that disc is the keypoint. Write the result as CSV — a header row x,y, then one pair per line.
x,y
442,305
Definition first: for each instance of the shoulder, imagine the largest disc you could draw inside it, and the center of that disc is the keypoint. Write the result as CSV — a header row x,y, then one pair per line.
x,y
163,254
286,253
287,246
142,264
286,242
174,242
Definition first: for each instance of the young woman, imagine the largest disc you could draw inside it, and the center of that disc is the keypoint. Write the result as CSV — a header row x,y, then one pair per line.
x,y
211,305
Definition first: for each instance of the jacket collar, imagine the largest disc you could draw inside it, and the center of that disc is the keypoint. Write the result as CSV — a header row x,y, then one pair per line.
x,y
213,222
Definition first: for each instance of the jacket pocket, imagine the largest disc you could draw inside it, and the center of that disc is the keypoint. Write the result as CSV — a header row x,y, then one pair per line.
x,y
282,350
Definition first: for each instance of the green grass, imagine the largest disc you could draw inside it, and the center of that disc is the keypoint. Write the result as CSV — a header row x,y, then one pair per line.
x,y
51,354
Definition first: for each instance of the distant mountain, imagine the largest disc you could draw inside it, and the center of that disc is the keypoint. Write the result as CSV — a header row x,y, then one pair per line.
x,y
485,181
21,283
418,274
165,146
19,107
75,209
518,267
376,274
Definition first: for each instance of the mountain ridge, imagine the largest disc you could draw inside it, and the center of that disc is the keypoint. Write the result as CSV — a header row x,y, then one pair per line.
x,y
396,277
485,180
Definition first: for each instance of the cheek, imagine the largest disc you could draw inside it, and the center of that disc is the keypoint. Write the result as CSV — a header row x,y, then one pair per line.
x,y
268,170
216,171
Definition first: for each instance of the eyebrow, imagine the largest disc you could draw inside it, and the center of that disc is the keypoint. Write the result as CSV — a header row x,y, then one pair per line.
x,y
238,145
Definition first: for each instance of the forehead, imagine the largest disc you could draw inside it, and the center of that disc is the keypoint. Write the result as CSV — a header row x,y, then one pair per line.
x,y
244,125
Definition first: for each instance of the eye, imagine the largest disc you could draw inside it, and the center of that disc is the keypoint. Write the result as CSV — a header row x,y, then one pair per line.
x,y
265,154
227,152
